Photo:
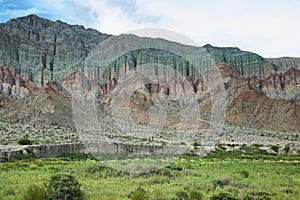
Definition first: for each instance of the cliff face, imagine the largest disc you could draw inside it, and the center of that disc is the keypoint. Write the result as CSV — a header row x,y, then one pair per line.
x,y
40,50
286,62
51,105
247,63
34,50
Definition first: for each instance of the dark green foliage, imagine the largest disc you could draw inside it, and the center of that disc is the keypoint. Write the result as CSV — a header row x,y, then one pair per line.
x,y
195,195
35,192
174,167
254,151
64,187
138,194
275,148
26,154
245,173
218,183
232,145
195,144
286,148
3,159
182,195
222,196
24,141
104,171
75,156
257,145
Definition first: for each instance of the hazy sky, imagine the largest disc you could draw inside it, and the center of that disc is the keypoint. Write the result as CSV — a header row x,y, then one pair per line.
x,y
270,28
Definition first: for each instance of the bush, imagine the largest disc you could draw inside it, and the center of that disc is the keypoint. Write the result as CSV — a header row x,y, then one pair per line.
x,y
287,148
195,195
182,195
245,173
35,192
275,148
75,156
26,154
257,145
64,187
24,141
218,182
195,144
222,196
174,167
138,194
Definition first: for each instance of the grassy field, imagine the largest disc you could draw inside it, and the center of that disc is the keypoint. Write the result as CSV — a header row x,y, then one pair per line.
x,y
189,177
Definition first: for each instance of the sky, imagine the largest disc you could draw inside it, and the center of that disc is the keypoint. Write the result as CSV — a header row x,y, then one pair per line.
x,y
270,28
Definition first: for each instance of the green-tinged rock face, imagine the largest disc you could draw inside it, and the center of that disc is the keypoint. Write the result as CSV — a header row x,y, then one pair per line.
x,y
43,50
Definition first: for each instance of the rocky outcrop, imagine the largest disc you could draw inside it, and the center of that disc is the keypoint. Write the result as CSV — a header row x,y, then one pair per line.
x,y
41,50
35,50
280,85
52,105
246,62
76,81
168,64
14,87
286,62
255,110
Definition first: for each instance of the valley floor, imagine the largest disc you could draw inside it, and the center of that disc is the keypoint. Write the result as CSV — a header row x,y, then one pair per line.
x,y
240,177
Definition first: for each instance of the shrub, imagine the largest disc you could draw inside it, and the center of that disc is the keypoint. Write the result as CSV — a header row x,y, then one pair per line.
x,y
218,182
24,141
275,148
138,194
195,144
222,196
174,167
287,148
195,195
26,154
64,187
75,156
245,173
182,195
35,192
257,145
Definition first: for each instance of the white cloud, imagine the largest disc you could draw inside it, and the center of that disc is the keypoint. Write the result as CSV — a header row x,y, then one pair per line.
x,y
269,27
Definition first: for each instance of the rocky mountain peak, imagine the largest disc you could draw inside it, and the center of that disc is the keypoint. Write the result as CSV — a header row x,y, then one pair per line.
x,y
44,50
36,21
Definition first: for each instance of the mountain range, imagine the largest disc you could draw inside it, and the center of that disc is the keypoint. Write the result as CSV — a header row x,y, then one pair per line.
x,y
43,63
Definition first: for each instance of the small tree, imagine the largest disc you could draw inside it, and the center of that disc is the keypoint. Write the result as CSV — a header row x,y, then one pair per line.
x,y
64,187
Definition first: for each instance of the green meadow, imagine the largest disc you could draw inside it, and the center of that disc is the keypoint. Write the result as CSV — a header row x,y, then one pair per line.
x,y
188,177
